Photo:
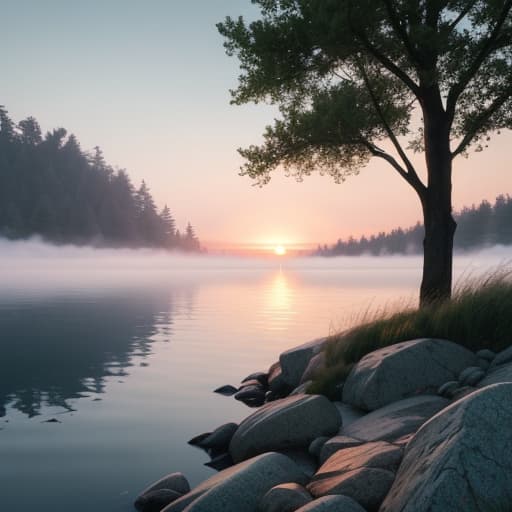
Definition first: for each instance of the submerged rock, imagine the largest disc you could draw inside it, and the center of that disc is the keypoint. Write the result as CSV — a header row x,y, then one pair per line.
x,y
241,487
226,390
292,422
403,370
460,459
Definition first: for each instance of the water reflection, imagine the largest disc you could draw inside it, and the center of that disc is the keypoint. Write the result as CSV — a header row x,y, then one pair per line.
x,y
55,350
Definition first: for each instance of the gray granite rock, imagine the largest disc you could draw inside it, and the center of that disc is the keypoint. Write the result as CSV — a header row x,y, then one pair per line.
x,y
348,413
367,486
483,363
226,390
448,388
316,446
301,389
285,498
403,370
487,354
316,364
174,481
304,460
254,396
461,392
333,503
154,501
294,361
276,382
471,375
395,420
497,374
220,462
241,487
503,357
292,422
460,459
261,377
252,383
335,444
219,439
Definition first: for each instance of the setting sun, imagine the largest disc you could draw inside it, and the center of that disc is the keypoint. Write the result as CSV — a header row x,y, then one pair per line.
x,y
279,250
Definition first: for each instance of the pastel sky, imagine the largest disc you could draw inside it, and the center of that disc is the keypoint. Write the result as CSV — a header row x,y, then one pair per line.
x,y
148,82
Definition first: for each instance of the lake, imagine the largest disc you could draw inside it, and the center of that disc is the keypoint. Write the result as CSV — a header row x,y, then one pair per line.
x,y
121,350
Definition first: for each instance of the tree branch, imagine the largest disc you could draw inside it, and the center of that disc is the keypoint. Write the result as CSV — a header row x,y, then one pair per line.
x,y
485,51
481,120
461,16
409,174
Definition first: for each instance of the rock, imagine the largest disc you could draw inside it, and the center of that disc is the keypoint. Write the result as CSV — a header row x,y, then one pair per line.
x,y
251,382
219,439
487,354
306,462
227,390
294,361
154,501
253,396
198,440
276,383
448,388
241,487
334,503
462,392
316,446
365,473
174,481
335,444
285,498
496,375
348,413
395,420
367,486
471,375
403,370
220,462
503,357
316,364
261,377
460,459
483,363
300,390
292,422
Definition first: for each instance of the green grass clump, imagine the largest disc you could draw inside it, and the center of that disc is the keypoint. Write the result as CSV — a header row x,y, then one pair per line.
x,y
478,316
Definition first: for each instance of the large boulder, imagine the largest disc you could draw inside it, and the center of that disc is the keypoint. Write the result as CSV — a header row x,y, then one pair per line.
x,y
460,459
315,365
334,503
175,481
241,487
365,473
154,501
294,361
403,370
395,420
292,422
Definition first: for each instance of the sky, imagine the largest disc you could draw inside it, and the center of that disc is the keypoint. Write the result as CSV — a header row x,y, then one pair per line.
x,y
148,82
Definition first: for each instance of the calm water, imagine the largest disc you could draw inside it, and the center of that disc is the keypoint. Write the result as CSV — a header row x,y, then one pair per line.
x,y
124,348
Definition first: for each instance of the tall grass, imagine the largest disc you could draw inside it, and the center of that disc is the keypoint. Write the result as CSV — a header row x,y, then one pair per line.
x,y
478,316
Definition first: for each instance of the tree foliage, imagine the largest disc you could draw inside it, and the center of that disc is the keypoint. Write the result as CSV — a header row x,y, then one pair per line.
x,y
50,187
349,74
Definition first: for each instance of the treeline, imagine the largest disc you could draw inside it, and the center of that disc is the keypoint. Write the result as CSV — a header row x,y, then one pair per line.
x,y
479,226
50,187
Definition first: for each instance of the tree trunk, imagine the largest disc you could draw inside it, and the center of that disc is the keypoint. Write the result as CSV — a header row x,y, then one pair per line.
x,y
437,206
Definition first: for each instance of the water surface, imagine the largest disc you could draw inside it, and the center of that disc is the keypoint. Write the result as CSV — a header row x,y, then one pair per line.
x,y
123,349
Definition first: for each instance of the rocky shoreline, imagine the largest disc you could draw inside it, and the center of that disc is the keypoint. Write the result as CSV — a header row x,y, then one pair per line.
x,y
420,426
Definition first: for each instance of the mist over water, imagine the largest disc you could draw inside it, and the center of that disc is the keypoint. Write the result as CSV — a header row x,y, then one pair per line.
x,y
124,348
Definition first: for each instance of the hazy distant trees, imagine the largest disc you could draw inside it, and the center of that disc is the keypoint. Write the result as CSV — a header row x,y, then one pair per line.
x,y
478,226
50,187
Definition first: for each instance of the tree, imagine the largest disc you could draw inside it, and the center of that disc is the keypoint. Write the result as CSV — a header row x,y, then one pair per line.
x,y
349,74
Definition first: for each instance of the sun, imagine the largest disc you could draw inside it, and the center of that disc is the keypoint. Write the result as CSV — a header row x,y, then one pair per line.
x,y
280,250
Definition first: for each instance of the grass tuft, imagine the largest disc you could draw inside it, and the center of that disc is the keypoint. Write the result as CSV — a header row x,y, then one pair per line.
x,y
478,316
